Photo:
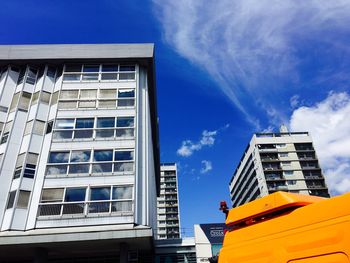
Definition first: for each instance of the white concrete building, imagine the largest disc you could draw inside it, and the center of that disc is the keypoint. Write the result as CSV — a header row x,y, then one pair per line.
x,y
79,154
284,161
168,219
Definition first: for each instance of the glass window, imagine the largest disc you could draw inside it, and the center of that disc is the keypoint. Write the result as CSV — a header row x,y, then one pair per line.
x,y
107,104
91,68
72,68
8,126
123,155
32,158
69,94
83,134
105,133
100,193
125,133
122,192
64,124
127,68
20,159
56,169
59,157
28,128
126,76
31,76
17,173
45,97
49,127
123,167
59,135
75,194
84,123
54,98
109,68
108,93
11,200
67,105
90,76
125,122
14,101
29,173
71,77
122,206
103,155
23,199
109,76
52,195
39,127
87,104
35,97
79,168
102,168
88,94
24,100
105,122
51,72
126,93
80,156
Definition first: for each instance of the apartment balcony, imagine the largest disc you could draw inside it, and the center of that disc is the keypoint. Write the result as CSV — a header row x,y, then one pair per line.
x,y
313,177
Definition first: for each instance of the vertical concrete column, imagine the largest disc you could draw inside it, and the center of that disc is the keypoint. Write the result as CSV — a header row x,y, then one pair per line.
x,y
123,253
40,255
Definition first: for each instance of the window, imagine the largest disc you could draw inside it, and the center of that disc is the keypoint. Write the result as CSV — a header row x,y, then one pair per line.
x,y
69,94
74,195
17,173
100,194
6,133
30,167
49,127
31,76
39,127
14,101
35,98
288,173
280,145
59,157
105,123
51,72
126,97
103,155
11,200
21,75
123,155
23,199
80,156
53,195
283,155
28,128
54,98
24,101
85,128
45,97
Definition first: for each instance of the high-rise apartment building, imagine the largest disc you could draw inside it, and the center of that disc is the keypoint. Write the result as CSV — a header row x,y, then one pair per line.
x,y
168,224
79,154
284,161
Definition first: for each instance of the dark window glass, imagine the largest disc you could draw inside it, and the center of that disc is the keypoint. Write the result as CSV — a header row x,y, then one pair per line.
x,y
125,133
29,173
73,68
109,68
123,155
49,127
75,194
59,157
123,167
79,168
83,134
104,133
109,76
100,193
80,156
71,77
103,155
84,123
127,93
102,168
105,122
125,122
91,68
11,200
127,68
51,71
17,173
62,135
56,169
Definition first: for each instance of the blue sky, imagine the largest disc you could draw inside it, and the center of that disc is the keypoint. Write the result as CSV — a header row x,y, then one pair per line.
x,y
224,70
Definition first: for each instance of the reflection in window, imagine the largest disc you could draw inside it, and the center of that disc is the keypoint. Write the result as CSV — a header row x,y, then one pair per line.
x,y
80,156
64,124
100,193
79,168
84,123
122,192
123,155
125,122
75,194
103,155
11,200
23,199
59,157
24,101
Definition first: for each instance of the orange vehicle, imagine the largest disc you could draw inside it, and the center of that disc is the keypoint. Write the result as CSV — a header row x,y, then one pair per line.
x,y
285,227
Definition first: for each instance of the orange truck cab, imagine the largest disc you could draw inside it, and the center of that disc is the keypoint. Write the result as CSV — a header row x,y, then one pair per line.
x,y
286,227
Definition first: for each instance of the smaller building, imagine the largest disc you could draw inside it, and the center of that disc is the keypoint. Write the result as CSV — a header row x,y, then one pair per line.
x,y
168,219
284,161
175,250
208,240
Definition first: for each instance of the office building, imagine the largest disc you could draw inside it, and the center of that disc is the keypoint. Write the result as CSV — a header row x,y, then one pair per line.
x,y
284,161
79,154
168,203
181,250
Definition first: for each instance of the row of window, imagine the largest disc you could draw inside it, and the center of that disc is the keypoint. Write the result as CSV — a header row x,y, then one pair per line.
x,y
106,72
90,162
85,200
104,127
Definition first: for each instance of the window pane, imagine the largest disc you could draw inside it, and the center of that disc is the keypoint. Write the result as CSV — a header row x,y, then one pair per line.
x,y
126,93
24,100
72,68
105,122
59,157
125,133
52,195
23,199
123,167
108,104
124,206
125,122
109,76
122,192
100,193
69,209
67,105
104,133
69,94
45,97
39,127
32,158
88,94
100,207
84,123
8,126
35,97
28,128
83,134
64,124
126,102
17,173
54,98
123,155
56,169
20,160
107,93
103,155
14,101
127,68
79,168
102,168
75,194
80,156
91,68
57,135
11,199
90,77
29,173
109,68
126,76
87,104
71,77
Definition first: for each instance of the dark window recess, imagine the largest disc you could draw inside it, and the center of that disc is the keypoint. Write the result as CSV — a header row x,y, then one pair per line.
x,y
4,138
11,200
17,173
29,171
49,127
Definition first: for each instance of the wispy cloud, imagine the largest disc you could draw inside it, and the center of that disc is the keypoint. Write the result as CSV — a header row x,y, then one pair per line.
x,y
188,147
206,167
256,48
329,124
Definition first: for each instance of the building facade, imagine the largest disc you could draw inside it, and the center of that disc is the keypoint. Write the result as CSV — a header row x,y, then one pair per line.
x,y
284,161
168,219
181,250
79,152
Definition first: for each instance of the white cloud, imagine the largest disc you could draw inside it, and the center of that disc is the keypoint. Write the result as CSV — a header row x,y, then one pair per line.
x,y
250,47
294,101
206,167
329,124
188,147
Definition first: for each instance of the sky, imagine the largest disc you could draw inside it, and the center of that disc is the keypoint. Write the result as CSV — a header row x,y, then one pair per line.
x,y
225,69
